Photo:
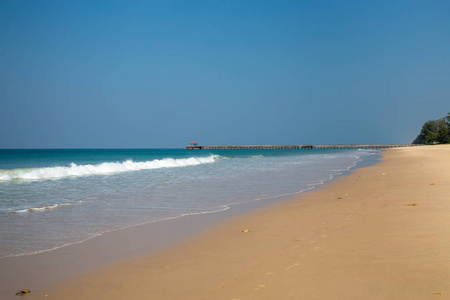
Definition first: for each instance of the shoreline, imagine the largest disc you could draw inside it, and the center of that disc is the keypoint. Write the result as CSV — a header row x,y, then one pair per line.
x,y
297,248
56,265
107,249
367,161
129,201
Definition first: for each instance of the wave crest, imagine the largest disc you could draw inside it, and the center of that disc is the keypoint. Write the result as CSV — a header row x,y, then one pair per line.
x,y
101,169
42,208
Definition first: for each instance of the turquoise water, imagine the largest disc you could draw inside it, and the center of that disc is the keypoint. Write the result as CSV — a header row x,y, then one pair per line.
x,y
53,198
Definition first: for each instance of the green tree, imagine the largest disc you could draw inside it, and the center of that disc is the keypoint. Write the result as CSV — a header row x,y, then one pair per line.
x,y
447,119
428,134
443,132
435,131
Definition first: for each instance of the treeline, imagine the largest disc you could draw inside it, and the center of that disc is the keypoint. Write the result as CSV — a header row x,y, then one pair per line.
x,y
435,132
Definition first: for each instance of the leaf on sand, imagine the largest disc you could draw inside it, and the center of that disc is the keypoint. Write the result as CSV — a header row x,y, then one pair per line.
x,y
23,292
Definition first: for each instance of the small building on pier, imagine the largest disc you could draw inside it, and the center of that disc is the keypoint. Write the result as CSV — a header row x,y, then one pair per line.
x,y
194,146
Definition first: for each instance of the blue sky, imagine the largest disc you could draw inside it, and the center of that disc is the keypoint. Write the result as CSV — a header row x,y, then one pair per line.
x,y
144,74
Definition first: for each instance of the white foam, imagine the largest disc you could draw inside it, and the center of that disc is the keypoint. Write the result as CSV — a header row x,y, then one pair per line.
x,y
43,208
101,169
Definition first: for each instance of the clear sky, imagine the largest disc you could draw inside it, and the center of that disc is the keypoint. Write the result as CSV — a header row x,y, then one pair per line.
x,y
144,74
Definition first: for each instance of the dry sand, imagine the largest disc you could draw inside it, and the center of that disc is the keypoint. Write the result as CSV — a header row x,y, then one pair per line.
x,y
382,232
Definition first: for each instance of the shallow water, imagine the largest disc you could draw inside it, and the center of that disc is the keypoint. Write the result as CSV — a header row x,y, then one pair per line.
x,y
53,198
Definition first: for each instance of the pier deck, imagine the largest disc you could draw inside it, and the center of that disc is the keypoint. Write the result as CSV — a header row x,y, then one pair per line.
x,y
294,147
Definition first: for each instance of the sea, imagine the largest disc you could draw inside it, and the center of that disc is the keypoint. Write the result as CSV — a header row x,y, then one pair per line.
x,y
55,198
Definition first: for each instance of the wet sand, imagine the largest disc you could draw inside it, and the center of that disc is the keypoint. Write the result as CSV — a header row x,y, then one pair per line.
x,y
382,232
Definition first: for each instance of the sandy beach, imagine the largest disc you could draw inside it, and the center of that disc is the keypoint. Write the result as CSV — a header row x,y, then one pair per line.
x,y
381,232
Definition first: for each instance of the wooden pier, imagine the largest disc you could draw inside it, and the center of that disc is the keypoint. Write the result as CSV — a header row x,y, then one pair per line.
x,y
294,147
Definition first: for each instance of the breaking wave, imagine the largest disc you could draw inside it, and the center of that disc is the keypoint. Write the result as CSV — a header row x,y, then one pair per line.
x,y
42,208
101,169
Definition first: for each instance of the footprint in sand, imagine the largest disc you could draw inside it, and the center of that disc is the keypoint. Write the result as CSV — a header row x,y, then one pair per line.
x,y
260,286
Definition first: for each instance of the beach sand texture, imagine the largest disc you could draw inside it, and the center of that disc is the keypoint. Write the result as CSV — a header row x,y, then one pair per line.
x,y
382,232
